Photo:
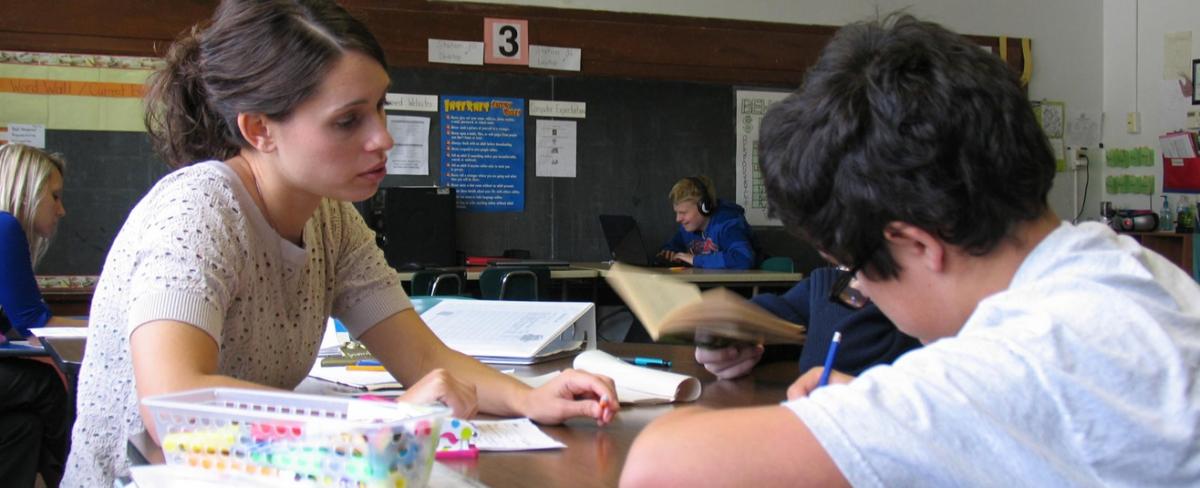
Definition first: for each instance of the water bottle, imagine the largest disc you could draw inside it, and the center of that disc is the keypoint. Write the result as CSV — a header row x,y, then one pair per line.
x,y
1185,221
1165,222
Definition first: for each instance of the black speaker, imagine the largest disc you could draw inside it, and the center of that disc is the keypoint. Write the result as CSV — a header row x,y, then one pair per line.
x,y
415,226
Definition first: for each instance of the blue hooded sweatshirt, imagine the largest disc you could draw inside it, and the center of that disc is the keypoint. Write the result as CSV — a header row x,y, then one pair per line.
x,y
725,243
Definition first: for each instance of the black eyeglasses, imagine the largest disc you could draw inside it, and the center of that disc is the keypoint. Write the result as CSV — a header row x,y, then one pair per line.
x,y
843,290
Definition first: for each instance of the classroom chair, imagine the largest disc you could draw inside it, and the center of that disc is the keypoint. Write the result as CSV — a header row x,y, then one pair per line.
x,y
438,282
514,283
782,264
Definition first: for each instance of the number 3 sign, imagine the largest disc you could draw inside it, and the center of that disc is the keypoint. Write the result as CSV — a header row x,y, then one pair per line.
x,y
506,41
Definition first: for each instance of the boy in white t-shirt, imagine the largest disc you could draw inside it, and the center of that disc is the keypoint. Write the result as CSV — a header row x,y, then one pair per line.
x,y
1056,355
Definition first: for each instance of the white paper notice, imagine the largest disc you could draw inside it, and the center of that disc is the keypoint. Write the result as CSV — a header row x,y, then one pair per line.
x,y
512,435
455,52
556,148
554,108
750,108
409,102
560,58
410,150
27,134
1083,128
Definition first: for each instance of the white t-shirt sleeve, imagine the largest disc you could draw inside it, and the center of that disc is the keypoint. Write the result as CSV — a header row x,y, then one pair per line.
x,y
941,416
186,261
367,289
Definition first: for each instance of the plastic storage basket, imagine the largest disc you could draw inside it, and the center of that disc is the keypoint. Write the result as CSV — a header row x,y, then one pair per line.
x,y
307,439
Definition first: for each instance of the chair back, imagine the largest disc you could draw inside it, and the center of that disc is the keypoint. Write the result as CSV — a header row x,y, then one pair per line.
x,y
438,282
514,283
778,263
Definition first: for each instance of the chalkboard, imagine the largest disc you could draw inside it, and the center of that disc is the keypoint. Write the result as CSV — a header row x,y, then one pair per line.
x,y
638,138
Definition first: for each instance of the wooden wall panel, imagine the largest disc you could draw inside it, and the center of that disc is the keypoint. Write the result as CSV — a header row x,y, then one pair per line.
x,y
614,44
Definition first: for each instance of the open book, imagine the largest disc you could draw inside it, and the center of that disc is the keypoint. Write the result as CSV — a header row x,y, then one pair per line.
x,y
675,311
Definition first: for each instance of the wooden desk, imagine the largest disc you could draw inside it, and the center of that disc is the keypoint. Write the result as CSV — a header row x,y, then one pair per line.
x,y
68,295
594,456
1176,247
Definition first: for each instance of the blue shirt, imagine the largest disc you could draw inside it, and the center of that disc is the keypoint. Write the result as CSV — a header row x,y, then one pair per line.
x,y
868,337
725,243
20,299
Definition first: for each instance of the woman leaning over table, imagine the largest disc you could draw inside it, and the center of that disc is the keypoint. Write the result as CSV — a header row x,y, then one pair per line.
x,y
34,410
225,272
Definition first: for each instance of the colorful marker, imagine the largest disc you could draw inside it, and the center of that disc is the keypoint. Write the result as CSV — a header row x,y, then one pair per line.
x,y
647,361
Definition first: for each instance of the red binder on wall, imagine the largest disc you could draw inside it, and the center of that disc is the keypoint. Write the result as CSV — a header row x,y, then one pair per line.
x,y
1181,162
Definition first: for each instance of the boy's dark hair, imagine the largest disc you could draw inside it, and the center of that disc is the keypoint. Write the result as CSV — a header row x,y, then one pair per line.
x,y
255,56
903,120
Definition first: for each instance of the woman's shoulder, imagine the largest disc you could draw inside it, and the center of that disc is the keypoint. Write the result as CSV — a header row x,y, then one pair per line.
x,y
8,223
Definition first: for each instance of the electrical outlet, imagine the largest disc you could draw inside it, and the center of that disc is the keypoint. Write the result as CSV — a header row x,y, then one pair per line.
x,y
1133,122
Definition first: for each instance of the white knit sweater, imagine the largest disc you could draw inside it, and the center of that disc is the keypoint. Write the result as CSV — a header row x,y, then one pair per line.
x,y
198,250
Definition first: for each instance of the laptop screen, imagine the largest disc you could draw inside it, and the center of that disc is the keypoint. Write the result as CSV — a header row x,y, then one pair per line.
x,y
624,240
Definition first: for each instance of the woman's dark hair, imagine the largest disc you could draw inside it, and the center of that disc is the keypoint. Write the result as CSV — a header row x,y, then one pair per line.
x,y
254,56
903,120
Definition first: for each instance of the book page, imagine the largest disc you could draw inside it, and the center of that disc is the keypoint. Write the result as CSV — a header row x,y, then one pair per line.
x,y
651,296
724,314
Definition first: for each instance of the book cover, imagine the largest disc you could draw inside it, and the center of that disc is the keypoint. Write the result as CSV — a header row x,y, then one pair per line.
x,y
676,311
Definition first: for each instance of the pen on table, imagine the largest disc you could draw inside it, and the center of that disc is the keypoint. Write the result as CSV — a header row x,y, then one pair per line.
x,y
833,347
648,361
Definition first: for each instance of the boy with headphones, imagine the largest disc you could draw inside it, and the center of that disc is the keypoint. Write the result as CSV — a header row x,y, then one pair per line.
x,y
712,233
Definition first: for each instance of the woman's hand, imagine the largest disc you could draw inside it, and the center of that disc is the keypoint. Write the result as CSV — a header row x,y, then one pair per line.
x,y
808,382
573,393
440,386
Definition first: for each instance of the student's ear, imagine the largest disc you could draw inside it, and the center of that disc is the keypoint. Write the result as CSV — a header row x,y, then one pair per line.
x,y
912,245
256,130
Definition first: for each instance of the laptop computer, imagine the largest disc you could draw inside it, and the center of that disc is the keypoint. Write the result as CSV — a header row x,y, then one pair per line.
x,y
625,241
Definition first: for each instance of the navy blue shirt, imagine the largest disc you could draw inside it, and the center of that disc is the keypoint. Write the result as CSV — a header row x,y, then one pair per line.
x,y
20,299
868,337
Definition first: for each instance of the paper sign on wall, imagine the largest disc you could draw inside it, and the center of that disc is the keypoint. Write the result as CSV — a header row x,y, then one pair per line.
x,y
409,102
455,52
27,134
410,147
556,143
554,108
560,58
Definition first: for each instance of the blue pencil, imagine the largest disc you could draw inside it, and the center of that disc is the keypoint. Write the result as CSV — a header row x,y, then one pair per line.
x,y
833,347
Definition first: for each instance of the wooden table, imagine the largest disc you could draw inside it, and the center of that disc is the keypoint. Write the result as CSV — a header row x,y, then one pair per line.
x,y
594,455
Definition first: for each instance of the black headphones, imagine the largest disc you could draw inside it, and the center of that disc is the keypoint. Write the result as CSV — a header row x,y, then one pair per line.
x,y
705,204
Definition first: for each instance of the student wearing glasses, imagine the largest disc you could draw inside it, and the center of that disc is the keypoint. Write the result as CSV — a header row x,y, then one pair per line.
x,y
825,303
1055,354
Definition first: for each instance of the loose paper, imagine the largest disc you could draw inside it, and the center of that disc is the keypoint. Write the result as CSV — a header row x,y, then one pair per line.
x,y
512,435
556,143
410,148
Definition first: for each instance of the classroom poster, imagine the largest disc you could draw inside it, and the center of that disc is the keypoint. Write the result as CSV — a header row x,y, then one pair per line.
x,y
748,112
483,152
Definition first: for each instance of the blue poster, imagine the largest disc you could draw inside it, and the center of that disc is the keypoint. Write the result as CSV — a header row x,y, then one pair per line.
x,y
483,152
